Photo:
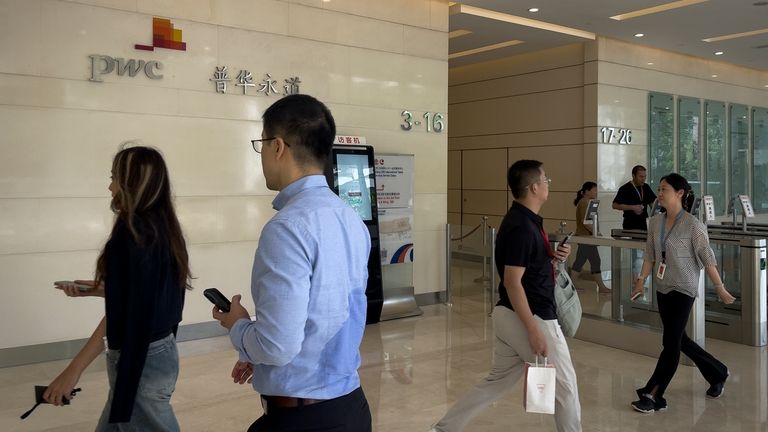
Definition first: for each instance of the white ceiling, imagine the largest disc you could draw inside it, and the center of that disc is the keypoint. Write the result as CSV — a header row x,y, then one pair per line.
x,y
680,30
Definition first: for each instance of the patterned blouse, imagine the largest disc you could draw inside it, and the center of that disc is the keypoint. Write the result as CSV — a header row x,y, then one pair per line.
x,y
687,252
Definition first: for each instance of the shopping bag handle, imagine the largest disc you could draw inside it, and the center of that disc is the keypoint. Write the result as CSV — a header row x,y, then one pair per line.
x,y
537,360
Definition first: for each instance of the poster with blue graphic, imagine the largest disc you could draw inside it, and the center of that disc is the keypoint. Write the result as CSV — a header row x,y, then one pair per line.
x,y
394,191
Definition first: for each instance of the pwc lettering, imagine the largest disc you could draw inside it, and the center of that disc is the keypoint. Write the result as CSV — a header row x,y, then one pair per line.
x,y
104,64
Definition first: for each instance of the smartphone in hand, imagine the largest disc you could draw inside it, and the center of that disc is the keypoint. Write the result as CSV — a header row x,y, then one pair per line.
x,y
79,286
218,299
565,240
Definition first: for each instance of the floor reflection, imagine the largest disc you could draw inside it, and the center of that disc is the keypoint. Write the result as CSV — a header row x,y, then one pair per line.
x,y
414,368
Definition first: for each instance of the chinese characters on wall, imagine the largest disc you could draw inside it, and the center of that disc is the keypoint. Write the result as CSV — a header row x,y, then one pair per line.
x,y
244,80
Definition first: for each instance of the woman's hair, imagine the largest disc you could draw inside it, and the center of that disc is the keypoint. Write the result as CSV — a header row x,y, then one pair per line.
x,y
142,196
587,186
678,183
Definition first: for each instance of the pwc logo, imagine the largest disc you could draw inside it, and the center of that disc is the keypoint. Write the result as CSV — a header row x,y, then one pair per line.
x,y
163,36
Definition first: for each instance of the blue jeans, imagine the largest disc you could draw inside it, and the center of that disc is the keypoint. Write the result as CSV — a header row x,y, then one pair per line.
x,y
152,410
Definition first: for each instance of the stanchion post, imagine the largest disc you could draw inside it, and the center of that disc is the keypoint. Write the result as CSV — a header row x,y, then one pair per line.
x,y
447,264
484,277
492,254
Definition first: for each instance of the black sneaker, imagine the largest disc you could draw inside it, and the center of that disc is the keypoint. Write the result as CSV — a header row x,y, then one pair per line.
x,y
660,404
644,405
716,390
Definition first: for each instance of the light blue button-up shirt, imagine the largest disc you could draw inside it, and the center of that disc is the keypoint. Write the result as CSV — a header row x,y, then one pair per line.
x,y
308,286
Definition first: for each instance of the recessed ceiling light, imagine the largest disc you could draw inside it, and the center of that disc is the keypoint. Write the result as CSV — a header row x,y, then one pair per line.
x,y
639,34
714,76
765,85
533,10
650,63
719,53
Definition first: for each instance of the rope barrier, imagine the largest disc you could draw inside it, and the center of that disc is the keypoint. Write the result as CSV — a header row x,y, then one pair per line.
x,y
467,234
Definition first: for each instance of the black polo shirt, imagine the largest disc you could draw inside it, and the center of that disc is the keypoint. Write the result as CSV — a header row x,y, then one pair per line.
x,y
629,194
520,243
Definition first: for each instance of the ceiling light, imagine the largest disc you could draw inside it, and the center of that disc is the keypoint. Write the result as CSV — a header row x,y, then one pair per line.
x,y
457,33
639,34
765,85
714,76
718,53
513,19
656,9
484,49
533,10
735,35
650,63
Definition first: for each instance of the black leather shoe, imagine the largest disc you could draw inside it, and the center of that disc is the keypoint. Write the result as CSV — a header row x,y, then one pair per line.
x,y
716,390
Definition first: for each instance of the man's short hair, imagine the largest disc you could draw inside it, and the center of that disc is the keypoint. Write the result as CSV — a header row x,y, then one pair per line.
x,y
305,124
637,168
522,174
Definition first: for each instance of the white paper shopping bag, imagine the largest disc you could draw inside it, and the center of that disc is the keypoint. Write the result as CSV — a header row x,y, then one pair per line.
x,y
539,388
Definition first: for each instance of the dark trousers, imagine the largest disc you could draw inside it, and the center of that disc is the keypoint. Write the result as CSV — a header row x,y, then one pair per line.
x,y
584,253
674,309
348,413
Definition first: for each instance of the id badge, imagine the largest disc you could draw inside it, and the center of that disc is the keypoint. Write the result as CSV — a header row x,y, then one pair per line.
x,y
661,270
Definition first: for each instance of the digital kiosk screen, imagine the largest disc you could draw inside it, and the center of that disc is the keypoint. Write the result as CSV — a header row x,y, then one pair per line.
x,y
353,174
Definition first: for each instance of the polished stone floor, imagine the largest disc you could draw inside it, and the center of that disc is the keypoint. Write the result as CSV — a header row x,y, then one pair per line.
x,y
414,368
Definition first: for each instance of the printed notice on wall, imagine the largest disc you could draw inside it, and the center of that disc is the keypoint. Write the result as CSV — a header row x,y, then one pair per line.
x,y
394,191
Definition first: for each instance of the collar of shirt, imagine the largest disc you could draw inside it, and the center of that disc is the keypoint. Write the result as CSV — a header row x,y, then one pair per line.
x,y
302,184
528,213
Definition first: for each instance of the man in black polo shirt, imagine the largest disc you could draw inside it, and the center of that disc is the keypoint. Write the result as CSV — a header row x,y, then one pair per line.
x,y
525,320
633,198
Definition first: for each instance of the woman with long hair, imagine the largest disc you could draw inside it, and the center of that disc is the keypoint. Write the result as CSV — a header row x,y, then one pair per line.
x,y
586,252
678,247
142,273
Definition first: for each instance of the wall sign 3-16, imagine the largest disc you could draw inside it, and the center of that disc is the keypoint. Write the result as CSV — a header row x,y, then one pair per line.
x,y
433,122
613,135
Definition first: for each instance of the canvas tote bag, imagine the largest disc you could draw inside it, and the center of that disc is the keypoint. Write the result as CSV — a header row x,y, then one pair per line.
x,y
568,303
539,388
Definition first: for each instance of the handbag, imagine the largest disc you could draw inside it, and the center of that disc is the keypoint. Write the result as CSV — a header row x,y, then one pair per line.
x,y
539,388
568,303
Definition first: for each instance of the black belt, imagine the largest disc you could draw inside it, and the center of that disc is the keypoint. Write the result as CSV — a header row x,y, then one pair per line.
x,y
270,403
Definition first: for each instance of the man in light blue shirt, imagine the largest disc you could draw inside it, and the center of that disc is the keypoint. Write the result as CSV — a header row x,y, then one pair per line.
x,y
301,350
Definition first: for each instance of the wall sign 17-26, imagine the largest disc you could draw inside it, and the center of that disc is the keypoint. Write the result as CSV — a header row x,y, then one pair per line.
x,y
433,122
611,135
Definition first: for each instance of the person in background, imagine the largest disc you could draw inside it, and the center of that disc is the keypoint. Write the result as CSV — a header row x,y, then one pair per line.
x,y
302,350
525,318
142,273
586,252
678,248
633,198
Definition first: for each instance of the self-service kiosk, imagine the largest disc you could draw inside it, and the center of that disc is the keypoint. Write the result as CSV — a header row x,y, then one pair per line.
x,y
350,173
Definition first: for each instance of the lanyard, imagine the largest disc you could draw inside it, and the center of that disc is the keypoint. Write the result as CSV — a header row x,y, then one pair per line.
x,y
664,239
639,193
548,247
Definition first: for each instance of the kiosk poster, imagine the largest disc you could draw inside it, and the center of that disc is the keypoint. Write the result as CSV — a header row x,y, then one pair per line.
x,y
394,192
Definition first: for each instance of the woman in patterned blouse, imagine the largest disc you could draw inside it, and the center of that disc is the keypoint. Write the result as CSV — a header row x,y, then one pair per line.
x,y
678,248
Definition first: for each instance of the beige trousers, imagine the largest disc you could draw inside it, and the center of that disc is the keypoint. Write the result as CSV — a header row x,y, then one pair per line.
x,y
511,351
